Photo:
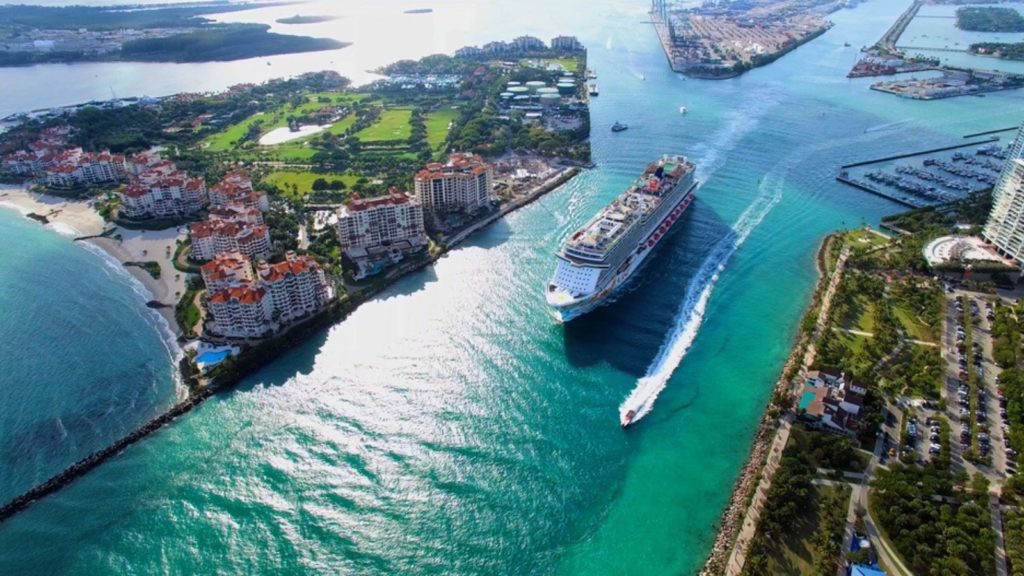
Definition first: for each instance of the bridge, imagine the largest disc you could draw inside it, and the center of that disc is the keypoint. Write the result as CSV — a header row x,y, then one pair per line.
x,y
888,42
931,49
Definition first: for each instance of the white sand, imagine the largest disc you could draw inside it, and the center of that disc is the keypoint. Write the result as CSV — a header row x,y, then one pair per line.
x,y
78,218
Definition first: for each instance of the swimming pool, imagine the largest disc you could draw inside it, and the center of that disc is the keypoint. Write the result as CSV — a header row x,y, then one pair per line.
x,y
806,398
212,357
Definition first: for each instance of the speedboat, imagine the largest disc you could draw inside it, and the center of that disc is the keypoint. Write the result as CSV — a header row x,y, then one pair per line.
x,y
682,109
628,418
619,127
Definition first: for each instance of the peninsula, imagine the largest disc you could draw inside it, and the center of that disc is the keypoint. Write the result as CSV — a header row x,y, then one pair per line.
x,y
725,39
298,19
278,208
38,34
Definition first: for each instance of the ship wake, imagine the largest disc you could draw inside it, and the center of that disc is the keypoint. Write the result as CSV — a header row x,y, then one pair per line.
x,y
691,312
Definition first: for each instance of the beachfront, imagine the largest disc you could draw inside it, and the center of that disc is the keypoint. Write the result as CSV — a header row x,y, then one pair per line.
x,y
78,219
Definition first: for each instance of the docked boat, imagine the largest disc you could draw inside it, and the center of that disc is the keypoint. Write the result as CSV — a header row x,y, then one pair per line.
x,y
592,89
619,127
601,257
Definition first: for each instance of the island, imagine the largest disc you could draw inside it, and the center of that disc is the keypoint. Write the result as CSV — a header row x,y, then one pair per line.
x,y
259,216
885,58
989,19
724,39
297,19
38,34
1006,51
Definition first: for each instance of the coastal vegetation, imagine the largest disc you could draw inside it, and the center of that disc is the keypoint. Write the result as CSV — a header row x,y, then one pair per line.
x,y
169,34
298,19
801,528
938,525
1004,50
229,42
152,268
989,19
186,312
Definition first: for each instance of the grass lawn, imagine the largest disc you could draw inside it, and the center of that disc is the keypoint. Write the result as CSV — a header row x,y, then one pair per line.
x,y
393,124
865,239
226,139
860,316
340,126
793,553
570,64
916,329
303,182
437,127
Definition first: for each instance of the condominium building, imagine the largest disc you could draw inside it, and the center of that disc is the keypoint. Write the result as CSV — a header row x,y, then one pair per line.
x,y
236,188
383,221
212,236
297,286
172,196
464,184
527,44
237,213
1005,226
240,312
566,43
227,269
75,168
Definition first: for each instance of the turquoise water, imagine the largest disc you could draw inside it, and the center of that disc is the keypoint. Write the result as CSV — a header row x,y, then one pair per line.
x,y
449,427
805,399
212,357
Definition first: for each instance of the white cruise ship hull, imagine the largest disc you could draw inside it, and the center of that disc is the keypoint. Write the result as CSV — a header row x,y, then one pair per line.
x,y
567,308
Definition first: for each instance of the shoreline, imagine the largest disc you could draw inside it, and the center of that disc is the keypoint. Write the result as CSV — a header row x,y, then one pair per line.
x,y
735,512
77,219
253,358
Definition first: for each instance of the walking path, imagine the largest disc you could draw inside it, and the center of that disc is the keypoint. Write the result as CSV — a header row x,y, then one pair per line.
x,y
997,527
872,335
738,555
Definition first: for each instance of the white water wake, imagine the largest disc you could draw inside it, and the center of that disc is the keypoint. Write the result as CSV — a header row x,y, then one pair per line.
x,y
691,312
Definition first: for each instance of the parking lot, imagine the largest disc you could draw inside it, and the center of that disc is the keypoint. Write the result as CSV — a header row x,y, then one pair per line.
x,y
967,348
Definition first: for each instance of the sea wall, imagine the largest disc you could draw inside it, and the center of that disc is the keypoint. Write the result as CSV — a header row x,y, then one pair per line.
x,y
750,475
230,373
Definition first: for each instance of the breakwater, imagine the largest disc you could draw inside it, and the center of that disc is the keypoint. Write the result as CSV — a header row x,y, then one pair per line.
x,y
920,153
227,375
731,522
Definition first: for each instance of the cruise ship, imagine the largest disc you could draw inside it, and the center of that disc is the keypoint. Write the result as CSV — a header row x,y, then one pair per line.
x,y
600,257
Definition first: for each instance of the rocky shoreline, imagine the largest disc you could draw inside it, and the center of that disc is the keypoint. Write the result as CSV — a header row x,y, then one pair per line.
x,y
735,510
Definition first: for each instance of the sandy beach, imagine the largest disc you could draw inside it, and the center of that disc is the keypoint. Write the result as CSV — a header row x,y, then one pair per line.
x,y
78,218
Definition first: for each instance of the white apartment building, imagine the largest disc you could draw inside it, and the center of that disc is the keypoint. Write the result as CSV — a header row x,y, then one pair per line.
x,y
1005,226
464,184
172,196
384,221
297,286
212,236
240,312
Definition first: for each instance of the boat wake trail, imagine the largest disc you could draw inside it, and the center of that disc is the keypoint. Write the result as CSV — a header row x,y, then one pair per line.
x,y
691,312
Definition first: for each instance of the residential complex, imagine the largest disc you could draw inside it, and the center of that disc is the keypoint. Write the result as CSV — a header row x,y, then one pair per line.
x,y
236,188
227,269
212,236
464,184
244,305
157,195
76,169
520,45
240,312
375,232
833,399
1005,226
298,286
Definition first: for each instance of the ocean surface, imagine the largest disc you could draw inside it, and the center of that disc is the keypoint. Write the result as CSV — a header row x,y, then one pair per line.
x,y
449,426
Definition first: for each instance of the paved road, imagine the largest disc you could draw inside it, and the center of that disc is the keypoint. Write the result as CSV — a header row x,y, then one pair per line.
x,y
997,526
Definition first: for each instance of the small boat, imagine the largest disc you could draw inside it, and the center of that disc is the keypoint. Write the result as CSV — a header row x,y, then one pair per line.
x,y
592,89
627,419
682,109
847,44
619,127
